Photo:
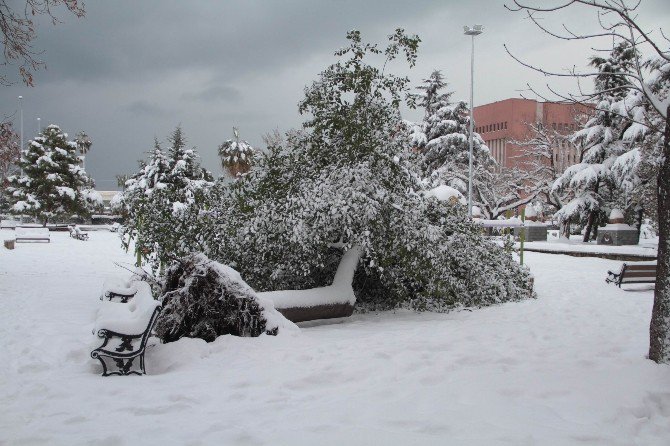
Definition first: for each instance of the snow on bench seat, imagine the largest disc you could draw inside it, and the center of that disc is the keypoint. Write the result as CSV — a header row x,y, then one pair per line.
x,y
32,234
334,301
117,288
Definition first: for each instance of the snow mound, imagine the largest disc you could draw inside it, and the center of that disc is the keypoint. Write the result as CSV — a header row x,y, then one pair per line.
x,y
447,193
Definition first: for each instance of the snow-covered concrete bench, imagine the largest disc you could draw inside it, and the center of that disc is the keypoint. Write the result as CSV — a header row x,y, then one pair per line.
x,y
334,301
32,235
125,330
639,272
76,232
8,224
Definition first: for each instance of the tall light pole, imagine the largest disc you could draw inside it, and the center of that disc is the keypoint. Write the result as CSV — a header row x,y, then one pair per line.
x,y
21,148
21,118
39,125
474,31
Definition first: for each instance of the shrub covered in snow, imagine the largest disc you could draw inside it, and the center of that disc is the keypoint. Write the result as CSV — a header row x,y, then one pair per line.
x,y
53,184
339,184
205,299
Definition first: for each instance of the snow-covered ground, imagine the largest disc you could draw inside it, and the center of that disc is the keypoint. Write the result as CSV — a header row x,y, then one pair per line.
x,y
567,368
646,247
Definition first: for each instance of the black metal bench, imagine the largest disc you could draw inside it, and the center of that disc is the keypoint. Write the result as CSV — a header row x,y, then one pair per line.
x,y
125,329
633,273
123,349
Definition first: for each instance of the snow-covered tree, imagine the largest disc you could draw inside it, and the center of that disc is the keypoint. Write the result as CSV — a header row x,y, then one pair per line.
x,y
10,154
338,185
544,156
442,136
601,141
647,106
440,145
53,184
162,200
236,155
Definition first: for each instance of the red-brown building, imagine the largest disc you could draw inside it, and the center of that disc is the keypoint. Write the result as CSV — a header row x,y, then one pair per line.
x,y
503,122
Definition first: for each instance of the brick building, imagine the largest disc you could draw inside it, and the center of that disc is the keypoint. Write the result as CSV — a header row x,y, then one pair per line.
x,y
503,122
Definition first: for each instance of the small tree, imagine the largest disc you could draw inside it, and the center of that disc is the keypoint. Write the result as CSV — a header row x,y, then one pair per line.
x,y
53,184
10,154
236,155
84,144
163,200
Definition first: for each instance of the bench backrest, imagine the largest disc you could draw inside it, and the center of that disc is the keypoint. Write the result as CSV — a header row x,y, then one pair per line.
x,y
638,273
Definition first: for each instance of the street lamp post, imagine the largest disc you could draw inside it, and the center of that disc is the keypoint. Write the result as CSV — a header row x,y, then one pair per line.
x,y
21,147
473,31
39,125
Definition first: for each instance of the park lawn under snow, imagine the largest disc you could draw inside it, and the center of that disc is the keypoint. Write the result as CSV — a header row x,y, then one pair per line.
x,y
566,368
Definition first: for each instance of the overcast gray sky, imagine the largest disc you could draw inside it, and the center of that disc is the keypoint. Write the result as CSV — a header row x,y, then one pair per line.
x,y
132,70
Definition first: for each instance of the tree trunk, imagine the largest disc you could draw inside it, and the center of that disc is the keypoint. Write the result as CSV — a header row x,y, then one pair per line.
x,y
639,213
565,230
594,228
659,329
592,217
589,225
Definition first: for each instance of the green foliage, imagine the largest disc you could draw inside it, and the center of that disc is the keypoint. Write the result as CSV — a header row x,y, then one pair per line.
x,y
339,184
53,185
162,200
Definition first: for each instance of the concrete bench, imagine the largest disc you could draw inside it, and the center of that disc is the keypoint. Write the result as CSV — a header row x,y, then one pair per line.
x,y
32,235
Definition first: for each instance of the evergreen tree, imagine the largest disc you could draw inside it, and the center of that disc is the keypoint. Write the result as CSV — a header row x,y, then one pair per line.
x,y
162,200
10,154
600,142
442,140
53,184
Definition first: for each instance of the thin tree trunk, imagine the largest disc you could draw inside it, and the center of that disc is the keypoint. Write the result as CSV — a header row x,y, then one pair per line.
x,y
594,228
566,228
592,217
639,213
659,329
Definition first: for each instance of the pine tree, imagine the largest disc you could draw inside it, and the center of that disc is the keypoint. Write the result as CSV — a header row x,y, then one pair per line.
x,y
601,141
442,137
10,155
53,184
163,199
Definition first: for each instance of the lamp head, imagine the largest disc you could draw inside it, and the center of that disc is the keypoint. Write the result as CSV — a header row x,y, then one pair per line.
x,y
475,30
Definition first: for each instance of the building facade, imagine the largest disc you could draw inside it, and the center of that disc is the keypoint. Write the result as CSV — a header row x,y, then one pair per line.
x,y
501,124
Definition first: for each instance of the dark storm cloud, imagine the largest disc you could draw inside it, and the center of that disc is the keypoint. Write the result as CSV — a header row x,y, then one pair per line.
x,y
214,93
143,108
132,70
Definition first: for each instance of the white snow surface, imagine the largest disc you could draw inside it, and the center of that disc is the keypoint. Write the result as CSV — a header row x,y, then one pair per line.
x,y
446,193
567,368
339,292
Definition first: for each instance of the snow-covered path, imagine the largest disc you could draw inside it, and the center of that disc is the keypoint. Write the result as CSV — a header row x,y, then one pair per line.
x,y
567,368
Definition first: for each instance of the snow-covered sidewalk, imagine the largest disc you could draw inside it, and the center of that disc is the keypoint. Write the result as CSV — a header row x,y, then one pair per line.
x,y
567,368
